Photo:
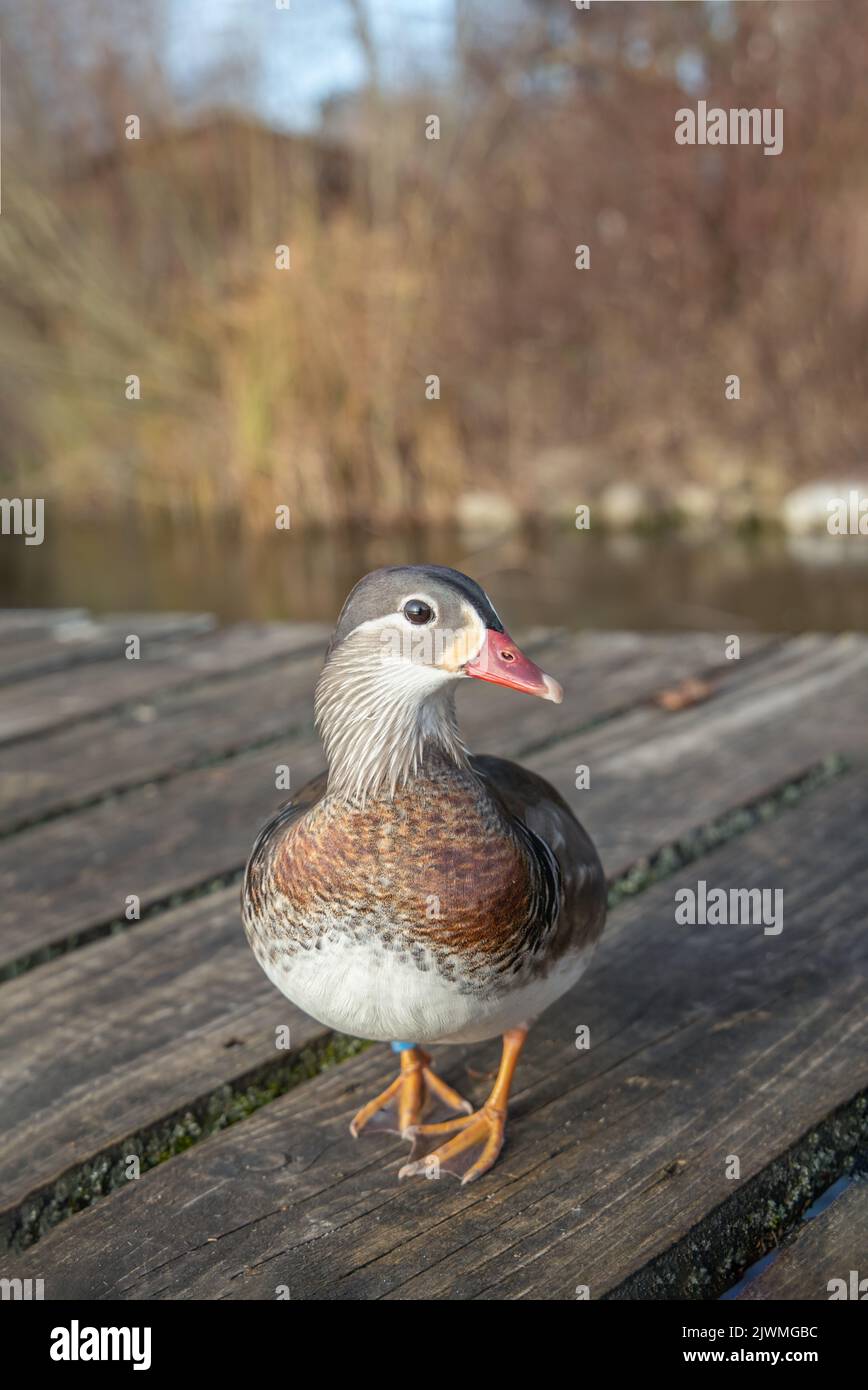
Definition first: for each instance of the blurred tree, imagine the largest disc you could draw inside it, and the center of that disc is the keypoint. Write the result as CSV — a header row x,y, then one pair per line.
x,y
412,257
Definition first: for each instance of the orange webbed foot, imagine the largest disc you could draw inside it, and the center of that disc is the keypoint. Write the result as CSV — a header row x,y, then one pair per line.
x,y
478,1139
401,1107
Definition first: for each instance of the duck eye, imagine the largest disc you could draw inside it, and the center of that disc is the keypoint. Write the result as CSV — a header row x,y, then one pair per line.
x,y
415,611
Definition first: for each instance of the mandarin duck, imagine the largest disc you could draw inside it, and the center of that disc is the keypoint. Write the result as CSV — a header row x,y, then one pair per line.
x,y
416,891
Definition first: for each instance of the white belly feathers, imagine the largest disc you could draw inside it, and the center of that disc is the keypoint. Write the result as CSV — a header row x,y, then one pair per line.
x,y
384,995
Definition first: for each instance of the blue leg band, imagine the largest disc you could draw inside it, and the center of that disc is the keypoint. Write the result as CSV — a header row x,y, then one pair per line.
x,y
401,1047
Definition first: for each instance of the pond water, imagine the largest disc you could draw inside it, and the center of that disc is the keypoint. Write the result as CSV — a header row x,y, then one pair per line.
x,y
568,577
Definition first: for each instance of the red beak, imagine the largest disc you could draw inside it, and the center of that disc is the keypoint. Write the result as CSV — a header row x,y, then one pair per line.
x,y
501,661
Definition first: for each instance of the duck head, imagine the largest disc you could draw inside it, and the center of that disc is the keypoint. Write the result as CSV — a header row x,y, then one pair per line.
x,y
386,697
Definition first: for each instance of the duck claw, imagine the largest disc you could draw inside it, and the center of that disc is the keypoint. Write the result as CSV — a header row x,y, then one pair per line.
x,y
477,1140
417,1091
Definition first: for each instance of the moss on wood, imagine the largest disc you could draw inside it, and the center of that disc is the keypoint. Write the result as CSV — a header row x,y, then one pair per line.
x,y
225,1106
758,1216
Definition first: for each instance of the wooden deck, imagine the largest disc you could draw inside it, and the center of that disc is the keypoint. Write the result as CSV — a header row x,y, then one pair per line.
x,y
156,1037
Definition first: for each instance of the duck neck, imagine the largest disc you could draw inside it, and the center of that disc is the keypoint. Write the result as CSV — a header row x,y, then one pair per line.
x,y
383,724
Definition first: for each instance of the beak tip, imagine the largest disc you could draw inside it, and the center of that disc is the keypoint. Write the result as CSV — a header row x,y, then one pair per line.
x,y
499,660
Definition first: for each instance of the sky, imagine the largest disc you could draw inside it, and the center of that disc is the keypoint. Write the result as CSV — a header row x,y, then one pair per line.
x,y
306,53
297,57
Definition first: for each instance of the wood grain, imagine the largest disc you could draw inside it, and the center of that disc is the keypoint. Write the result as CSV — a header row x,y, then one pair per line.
x,y
156,737
74,874
31,707
19,623
77,640
707,1042
53,1121
153,739
160,1018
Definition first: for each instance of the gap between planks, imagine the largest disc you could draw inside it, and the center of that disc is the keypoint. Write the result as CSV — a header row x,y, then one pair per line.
x,y
707,1042
821,1255
136,745
38,706
193,1047
75,873
79,641
666,729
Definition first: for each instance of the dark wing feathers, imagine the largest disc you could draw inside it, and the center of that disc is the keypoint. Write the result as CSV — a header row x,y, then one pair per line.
x,y
535,805
272,832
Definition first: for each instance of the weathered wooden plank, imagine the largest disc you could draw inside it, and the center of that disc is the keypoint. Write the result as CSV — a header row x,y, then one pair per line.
x,y
603,674
65,877
830,1247
75,874
798,704
154,739
72,874
707,1042
67,767
131,1031
88,639
40,705
19,623
178,946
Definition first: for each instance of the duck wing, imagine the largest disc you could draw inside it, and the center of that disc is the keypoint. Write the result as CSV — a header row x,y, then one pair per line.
x,y
271,833
553,834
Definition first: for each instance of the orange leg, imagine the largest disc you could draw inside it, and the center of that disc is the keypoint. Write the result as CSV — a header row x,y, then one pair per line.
x,y
478,1137
401,1106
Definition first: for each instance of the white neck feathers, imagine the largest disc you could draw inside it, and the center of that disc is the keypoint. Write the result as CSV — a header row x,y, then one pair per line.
x,y
381,720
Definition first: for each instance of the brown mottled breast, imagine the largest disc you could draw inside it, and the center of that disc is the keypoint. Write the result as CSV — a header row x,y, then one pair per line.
x,y
440,860
443,865
457,863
